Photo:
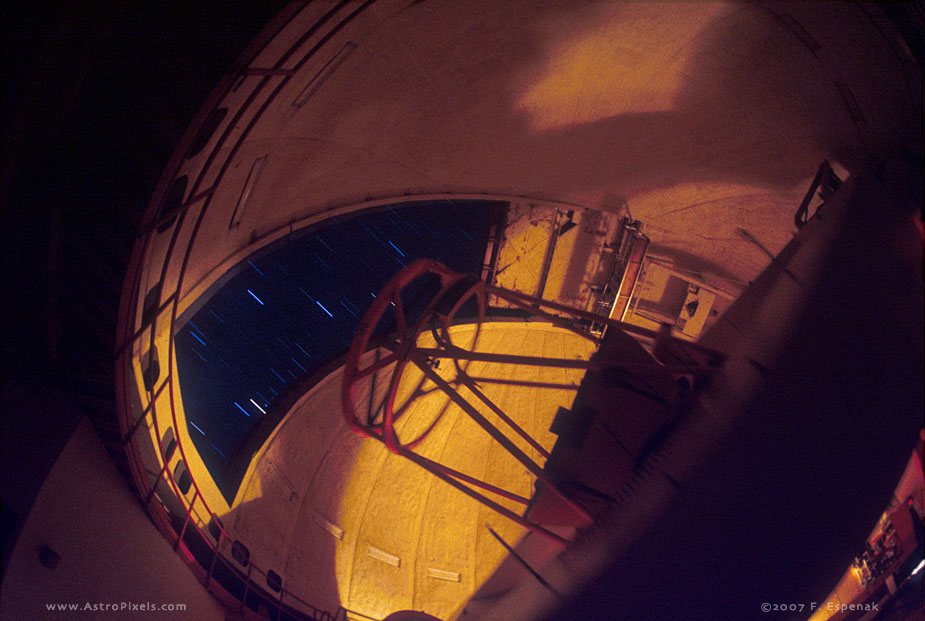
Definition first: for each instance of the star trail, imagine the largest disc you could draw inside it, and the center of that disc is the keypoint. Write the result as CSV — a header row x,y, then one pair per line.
x,y
292,307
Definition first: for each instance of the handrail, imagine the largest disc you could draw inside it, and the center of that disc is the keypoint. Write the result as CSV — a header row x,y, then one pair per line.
x,y
128,335
224,167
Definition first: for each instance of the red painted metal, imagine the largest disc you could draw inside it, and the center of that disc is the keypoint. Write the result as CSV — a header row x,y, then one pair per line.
x,y
455,290
218,161
438,316
507,419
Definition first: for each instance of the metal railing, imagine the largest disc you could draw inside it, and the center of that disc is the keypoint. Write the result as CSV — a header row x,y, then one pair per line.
x,y
454,292
187,520
203,551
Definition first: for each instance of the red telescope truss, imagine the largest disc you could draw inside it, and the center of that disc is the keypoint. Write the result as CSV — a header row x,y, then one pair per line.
x,y
459,298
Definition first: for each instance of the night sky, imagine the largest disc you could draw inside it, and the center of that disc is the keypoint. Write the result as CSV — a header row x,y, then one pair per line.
x,y
292,308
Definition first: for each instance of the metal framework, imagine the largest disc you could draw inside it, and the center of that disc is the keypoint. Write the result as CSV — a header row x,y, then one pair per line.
x,y
454,293
191,525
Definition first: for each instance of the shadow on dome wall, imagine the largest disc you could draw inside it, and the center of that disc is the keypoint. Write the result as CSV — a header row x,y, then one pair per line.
x,y
761,128
335,513
295,306
781,503
292,529
740,115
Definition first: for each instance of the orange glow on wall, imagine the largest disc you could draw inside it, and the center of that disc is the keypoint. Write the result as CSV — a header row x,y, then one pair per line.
x,y
357,526
631,58
416,542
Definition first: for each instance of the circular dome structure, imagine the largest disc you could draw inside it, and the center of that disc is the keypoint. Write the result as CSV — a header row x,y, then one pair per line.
x,y
522,142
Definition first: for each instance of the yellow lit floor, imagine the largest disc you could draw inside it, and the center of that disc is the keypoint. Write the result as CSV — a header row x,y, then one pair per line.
x,y
394,537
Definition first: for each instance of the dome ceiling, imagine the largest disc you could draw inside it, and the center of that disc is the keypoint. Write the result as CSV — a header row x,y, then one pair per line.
x,y
700,120
724,122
